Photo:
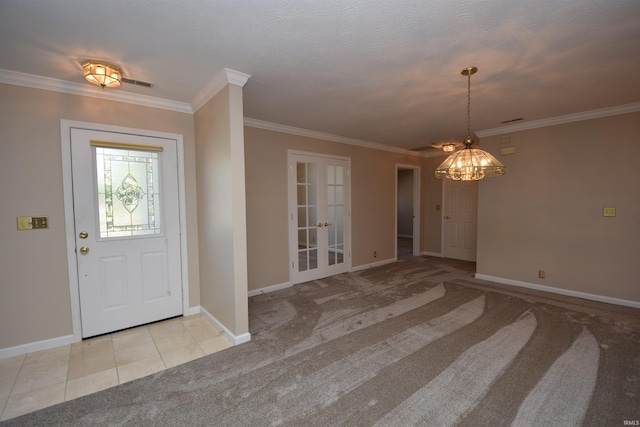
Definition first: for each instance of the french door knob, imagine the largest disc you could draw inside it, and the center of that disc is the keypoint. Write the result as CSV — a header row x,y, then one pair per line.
x,y
319,224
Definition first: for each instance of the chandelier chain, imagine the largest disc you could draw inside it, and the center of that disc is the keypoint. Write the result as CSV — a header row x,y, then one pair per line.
x,y
469,105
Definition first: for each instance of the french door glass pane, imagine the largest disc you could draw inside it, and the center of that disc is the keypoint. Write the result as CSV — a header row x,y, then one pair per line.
x,y
335,213
307,215
128,189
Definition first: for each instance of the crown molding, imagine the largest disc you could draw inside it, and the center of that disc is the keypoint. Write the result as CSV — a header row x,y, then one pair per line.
x,y
569,118
48,83
224,77
261,124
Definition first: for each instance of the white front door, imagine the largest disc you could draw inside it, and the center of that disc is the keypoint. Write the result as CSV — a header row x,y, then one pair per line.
x,y
127,229
318,212
460,219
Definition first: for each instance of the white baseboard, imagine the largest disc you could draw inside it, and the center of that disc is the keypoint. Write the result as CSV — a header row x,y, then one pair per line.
x,y
268,289
236,339
373,264
436,254
584,295
35,346
191,311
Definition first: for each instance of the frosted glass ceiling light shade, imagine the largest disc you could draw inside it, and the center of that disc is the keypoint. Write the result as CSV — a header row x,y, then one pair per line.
x,y
449,148
102,73
469,164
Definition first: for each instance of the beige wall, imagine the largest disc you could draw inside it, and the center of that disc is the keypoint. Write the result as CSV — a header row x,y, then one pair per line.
x,y
221,209
546,212
373,203
34,282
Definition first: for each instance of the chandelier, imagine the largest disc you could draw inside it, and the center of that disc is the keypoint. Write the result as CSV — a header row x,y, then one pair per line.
x,y
102,73
469,164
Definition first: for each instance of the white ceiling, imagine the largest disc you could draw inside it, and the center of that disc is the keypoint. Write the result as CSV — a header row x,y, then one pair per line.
x,y
384,71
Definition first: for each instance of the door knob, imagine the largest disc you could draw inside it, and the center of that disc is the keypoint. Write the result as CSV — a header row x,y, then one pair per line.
x,y
84,250
83,235
319,224
327,224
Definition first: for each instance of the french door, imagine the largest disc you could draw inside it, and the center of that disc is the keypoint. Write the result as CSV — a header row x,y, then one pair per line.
x,y
318,216
127,229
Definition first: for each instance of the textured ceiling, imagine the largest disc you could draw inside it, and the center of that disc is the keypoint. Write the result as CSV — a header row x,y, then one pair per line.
x,y
385,71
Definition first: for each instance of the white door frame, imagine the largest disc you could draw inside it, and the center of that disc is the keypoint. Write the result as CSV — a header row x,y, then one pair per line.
x,y
69,220
416,207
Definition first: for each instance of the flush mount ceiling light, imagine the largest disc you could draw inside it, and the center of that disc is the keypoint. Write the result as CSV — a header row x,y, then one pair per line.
x,y
469,164
102,73
448,147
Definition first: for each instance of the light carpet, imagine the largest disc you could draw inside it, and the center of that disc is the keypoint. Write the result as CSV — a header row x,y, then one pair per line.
x,y
416,342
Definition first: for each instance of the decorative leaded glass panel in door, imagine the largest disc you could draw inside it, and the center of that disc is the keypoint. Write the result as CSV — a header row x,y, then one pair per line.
x,y
128,190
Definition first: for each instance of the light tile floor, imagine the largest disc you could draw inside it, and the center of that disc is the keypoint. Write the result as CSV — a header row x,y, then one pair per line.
x,y
36,380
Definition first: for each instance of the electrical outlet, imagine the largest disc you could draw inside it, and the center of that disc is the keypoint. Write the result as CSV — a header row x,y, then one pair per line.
x,y
541,274
375,254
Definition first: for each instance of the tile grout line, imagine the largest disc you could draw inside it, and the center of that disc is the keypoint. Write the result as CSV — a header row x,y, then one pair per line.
x,y
153,340
13,386
66,380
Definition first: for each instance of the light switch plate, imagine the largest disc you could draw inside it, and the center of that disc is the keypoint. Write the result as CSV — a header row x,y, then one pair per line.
x,y
32,222
608,211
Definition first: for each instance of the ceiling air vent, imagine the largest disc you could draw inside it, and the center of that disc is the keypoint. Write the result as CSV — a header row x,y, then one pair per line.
x,y
136,82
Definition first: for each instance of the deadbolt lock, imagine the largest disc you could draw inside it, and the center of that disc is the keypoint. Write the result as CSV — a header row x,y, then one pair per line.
x,y
83,234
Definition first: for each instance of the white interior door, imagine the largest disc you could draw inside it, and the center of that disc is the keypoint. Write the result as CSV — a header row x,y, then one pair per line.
x,y
318,207
460,219
127,225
